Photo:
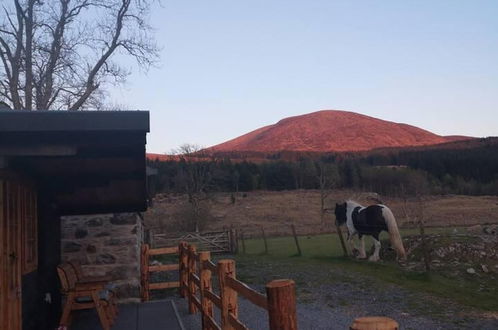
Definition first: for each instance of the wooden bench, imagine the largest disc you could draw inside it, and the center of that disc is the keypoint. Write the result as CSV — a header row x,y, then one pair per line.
x,y
85,295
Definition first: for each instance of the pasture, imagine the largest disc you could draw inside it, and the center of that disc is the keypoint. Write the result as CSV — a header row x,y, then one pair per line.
x,y
449,296
276,210
325,253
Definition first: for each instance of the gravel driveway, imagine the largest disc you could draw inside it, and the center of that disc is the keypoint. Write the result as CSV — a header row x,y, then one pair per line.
x,y
331,298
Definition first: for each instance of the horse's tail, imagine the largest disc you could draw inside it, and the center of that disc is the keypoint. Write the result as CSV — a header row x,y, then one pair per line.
x,y
394,234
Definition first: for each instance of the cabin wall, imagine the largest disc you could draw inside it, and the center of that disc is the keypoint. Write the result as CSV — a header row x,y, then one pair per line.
x,y
107,244
41,298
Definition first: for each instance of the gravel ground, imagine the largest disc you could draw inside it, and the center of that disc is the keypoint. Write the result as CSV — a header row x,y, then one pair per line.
x,y
331,298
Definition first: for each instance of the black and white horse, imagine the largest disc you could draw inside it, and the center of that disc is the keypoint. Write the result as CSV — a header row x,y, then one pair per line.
x,y
370,220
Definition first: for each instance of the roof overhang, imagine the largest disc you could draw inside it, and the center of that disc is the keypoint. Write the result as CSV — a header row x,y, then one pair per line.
x,y
86,161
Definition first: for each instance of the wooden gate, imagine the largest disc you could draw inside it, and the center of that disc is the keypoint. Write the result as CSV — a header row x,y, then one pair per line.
x,y
215,242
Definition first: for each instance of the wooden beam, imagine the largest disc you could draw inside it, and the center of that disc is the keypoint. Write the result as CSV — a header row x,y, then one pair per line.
x,y
164,268
163,285
38,150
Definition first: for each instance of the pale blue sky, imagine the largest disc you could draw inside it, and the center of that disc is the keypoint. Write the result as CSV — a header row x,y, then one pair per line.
x,y
231,66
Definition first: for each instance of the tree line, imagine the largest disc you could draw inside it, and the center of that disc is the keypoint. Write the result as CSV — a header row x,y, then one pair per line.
x,y
471,171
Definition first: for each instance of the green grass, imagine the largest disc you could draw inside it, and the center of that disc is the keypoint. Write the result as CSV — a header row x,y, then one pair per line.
x,y
313,246
326,250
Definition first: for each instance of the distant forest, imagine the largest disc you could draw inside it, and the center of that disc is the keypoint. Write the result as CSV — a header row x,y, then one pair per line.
x,y
451,169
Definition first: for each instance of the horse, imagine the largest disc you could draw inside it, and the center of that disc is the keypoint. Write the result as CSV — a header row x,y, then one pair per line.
x,y
370,220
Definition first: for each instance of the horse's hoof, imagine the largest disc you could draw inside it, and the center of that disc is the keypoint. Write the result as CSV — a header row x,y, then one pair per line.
x,y
373,259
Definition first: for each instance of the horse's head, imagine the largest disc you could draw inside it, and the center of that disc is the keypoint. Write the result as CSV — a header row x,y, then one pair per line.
x,y
340,213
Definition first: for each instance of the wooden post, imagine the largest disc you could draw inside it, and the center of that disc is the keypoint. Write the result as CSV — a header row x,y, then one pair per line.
x,y
183,268
282,304
226,268
231,239
206,285
299,253
151,238
243,241
192,309
374,323
341,239
144,271
236,243
264,239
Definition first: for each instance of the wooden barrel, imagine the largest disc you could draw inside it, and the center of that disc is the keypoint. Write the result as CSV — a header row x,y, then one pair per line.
x,y
374,323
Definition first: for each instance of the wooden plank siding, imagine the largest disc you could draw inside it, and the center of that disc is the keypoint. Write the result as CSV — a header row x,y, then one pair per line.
x,y
18,247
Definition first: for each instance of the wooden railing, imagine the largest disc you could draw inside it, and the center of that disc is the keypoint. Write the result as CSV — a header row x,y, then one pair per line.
x,y
196,272
146,269
196,279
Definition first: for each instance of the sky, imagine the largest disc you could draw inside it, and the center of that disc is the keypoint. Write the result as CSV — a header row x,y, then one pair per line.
x,y
228,67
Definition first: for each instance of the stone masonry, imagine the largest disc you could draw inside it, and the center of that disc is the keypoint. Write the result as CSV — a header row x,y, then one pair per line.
x,y
107,244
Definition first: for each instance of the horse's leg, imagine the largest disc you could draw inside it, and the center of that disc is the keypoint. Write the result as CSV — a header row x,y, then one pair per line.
x,y
351,243
363,254
375,255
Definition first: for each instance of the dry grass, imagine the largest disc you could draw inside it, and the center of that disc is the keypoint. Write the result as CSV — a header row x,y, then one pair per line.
x,y
275,211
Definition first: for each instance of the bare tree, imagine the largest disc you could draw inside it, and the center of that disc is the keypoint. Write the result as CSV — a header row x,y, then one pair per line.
x,y
327,176
62,54
195,177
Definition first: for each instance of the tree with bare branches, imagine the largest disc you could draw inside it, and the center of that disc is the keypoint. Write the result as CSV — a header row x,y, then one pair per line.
x,y
195,176
327,176
62,54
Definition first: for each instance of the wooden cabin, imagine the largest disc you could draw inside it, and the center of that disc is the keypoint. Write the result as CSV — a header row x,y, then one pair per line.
x,y
52,164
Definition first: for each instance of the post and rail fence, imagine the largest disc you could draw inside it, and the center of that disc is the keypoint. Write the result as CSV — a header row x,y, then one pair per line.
x,y
196,273
196,284
146,269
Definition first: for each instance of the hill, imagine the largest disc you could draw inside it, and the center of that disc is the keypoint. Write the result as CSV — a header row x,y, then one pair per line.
x,y
332,131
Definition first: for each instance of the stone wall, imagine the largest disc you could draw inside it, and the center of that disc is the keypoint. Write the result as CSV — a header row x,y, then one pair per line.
x,y
107,244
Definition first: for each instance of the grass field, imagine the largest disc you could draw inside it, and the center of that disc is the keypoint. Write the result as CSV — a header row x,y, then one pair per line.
x,y
325,252
276,210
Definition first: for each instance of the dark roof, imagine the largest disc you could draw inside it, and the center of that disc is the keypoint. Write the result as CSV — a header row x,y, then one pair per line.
x,y
88,161
56,121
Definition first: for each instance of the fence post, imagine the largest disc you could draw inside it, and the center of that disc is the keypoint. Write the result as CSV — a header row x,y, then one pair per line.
x,y
206,284
299,253
151,238
192,309
282,304
144,271
374,322
183,268
264,239
243,241
226,268
236,241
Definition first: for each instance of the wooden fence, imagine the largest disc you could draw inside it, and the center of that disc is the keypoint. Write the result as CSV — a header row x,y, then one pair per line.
x,y
146,269
196,284
217,241
196,272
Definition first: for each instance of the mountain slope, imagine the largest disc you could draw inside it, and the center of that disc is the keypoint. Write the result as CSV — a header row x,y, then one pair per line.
x,y
331,130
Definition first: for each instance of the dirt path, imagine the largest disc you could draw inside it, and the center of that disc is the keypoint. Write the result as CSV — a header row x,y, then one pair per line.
x,y
330,298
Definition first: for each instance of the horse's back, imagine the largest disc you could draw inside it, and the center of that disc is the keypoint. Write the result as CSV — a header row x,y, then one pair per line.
x,y
370,219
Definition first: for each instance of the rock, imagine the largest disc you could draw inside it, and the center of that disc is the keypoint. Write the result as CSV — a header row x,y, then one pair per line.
x,y
102,234
471,270
124,219
120,241
485,268
91,248
80,233
106,258
95,222
71,247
